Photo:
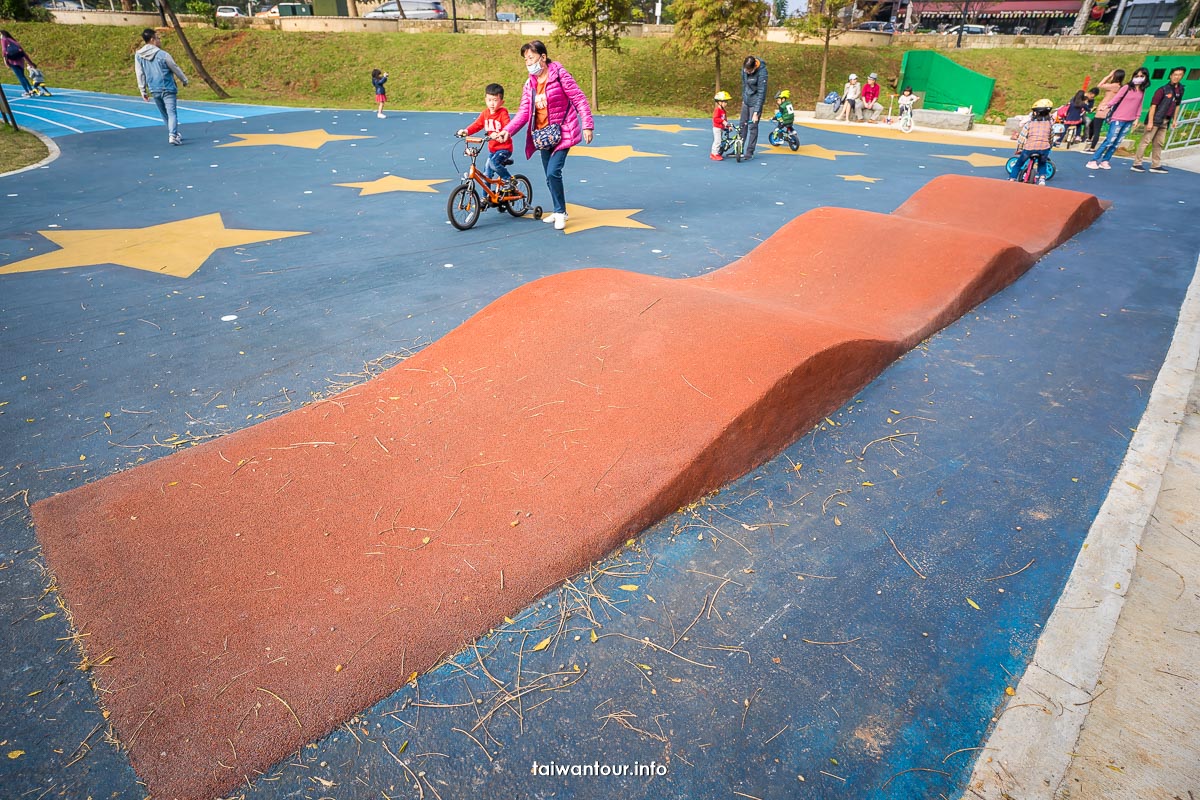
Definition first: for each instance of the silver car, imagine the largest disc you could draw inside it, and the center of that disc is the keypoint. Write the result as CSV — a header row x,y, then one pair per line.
x,y
413,9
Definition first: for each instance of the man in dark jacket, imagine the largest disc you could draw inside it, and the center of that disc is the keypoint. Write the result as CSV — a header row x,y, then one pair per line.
x,y
754,95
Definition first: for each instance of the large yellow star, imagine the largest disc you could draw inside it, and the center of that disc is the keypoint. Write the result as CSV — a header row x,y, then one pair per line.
x,y
172,248
583,218
979,159
308,140
810,151
645,126
392,183
614,154
858,179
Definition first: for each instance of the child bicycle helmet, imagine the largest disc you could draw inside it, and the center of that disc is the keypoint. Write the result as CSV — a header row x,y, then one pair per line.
x,y
786,94
722,96
1043,106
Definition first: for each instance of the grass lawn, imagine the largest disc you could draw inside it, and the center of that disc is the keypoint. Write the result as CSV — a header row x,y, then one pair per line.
x,y
439,71
19,149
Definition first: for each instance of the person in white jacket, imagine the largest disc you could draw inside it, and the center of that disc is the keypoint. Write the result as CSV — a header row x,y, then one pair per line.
x,y
156,72
850,98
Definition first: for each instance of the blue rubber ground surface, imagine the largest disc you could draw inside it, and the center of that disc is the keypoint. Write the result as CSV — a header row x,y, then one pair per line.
x,y
986,448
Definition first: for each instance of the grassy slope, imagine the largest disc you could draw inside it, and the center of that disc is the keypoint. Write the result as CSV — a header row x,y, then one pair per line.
x,y
19,149
447,72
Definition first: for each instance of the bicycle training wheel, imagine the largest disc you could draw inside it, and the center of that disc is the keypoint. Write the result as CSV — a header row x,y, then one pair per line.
x,y
463,207
519,207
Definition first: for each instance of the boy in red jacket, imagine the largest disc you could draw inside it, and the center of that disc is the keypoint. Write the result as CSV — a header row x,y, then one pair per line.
x,y
493,119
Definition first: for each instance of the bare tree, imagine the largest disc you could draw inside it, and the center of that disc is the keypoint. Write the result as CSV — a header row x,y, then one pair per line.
x,y
1188,20
165,7
489,10
1081,19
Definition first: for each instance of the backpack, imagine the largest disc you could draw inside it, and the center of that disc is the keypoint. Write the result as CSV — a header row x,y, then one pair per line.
x,y
13,51
831,99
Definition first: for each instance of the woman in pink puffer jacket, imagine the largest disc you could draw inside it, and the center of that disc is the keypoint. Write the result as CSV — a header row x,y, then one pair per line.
x,y
551,97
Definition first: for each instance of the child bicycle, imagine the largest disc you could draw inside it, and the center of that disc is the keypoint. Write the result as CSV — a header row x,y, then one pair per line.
x,y
906,118
1030,173
732,142
784,134
464,206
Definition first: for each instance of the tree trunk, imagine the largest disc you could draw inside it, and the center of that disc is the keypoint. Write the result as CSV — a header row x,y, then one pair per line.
x,y
1188,21
718,70
165,6
352,7
595,72
1081,19
127,5
824,63
489,10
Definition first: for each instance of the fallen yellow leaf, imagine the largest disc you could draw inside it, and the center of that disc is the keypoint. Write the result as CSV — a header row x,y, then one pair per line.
x,y
47,616
1010,691
542,645
629,587
867,483
510,620
15,754
594,637
837,521
973,604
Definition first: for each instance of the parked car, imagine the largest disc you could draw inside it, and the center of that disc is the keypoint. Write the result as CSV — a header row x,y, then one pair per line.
x,y
505,16
62,5
972,30
229,11
287,10
876,27
413,9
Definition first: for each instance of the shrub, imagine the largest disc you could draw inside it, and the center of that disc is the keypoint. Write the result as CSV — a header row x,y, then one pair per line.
x,y
199,8
16,10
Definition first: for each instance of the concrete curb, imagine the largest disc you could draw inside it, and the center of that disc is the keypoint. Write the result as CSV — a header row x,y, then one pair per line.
x,y
1029,750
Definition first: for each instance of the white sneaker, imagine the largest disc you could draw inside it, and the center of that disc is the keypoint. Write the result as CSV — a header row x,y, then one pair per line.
x,y
381,115
1105,165
1093,165
560,222
550,217
1041,181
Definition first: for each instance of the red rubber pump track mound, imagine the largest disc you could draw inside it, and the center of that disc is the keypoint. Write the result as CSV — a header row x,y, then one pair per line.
x,y
256,591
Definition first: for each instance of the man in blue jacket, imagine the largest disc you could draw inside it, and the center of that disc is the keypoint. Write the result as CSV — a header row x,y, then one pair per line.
x,y
754,95
156,72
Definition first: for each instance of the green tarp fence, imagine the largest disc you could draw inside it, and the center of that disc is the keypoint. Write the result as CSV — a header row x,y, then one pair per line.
x,y
945,86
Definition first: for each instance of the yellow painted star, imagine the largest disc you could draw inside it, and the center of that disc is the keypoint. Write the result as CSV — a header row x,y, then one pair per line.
x,y
614,154
858,179
582,218
308,140
979,159
172,248
645,126
392,183
810,151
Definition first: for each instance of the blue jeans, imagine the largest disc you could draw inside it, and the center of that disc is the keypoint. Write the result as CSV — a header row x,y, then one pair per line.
x,y
496,164
1023,159
553,163
19,71
166,106
1116,132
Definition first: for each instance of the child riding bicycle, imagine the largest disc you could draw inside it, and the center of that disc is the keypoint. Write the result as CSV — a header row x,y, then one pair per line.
x,y
1034,140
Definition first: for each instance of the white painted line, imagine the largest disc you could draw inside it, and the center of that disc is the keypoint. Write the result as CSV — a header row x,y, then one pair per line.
x,y
90,119
212,113
54,103
1036,734
52,122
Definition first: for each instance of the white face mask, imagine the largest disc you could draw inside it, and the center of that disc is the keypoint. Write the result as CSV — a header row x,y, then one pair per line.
x,y
1138,81
535,68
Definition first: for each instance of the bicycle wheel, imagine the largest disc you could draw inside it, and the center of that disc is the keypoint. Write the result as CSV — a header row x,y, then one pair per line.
x,y
794,142
1008,166
463,207
775,137
518,208
906,123
1050,169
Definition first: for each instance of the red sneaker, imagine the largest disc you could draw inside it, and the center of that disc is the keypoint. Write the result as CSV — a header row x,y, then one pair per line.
x,y
714,157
